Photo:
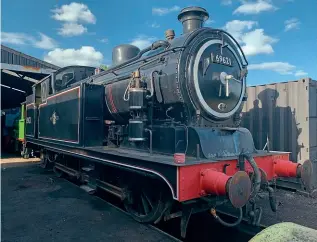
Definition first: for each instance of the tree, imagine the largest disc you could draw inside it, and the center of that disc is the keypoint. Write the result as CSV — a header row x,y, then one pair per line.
x,y
103,67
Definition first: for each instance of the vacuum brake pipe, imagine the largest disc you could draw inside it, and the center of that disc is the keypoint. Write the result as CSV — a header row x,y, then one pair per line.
x,y
257,175
272,199
213,213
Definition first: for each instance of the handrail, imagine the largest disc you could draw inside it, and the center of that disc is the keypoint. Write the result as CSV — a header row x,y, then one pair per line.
x,y
236,42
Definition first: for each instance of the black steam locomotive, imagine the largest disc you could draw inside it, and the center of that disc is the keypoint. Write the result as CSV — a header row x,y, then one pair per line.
x,y
160,128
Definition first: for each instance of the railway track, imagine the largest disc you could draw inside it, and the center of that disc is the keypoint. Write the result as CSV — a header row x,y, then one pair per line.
x,y
296,186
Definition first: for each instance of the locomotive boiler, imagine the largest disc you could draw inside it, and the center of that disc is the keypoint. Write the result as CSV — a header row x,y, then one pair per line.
x,y
160,129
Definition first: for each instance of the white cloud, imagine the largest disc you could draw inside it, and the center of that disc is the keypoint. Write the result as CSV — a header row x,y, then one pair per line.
x,y
301,73
73,15
15,38
283,68
164,11
104,40
45,42
292,23
74,12
253,41
226,2
155,25
255,7
237,27
143,41
86,56
256,42
72,29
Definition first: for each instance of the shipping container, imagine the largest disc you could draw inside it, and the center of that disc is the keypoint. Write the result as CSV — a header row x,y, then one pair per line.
x,y
286,114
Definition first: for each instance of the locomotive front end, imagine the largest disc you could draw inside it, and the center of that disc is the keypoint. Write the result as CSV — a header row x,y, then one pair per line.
x,y
214,69
217,76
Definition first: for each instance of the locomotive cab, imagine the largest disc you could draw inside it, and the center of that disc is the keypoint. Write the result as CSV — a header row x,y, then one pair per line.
x,y
42,105
70,75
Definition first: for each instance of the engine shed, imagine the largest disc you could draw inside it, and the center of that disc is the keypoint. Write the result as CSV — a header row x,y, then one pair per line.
x,y
19,72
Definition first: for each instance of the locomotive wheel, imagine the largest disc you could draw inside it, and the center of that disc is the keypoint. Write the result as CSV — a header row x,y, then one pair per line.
x,y
144,203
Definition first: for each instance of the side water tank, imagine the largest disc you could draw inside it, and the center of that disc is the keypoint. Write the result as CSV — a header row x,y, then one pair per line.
x,y
123,53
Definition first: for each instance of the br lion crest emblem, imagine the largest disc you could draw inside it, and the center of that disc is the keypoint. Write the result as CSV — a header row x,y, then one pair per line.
x,y
54,118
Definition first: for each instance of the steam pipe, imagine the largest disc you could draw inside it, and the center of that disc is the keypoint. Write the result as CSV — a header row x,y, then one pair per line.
x,y
130,62
152,84
154,46
272,199
151,134
257,174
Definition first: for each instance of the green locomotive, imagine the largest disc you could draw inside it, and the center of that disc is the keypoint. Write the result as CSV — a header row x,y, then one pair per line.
x,y
13,131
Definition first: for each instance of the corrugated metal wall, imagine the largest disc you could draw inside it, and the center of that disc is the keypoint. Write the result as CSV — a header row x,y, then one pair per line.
x,y
286,113
313,119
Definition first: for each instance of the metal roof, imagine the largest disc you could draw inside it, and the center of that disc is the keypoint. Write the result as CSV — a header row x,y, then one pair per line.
x,y
18,73
13,57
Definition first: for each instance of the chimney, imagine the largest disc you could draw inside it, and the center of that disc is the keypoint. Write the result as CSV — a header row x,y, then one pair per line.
x,y
192,18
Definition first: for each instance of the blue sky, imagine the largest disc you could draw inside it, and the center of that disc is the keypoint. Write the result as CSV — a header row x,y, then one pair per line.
x,y
278,36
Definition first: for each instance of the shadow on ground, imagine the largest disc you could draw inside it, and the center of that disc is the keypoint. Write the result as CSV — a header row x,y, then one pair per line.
x,y
38,207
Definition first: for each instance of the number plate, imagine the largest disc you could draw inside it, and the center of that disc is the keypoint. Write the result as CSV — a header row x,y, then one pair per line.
x,y
220,59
